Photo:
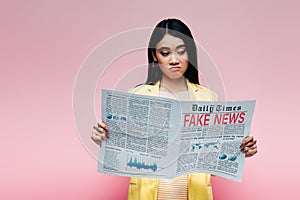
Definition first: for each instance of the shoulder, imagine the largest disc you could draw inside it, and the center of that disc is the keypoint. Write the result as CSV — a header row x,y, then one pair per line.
x,y
202,93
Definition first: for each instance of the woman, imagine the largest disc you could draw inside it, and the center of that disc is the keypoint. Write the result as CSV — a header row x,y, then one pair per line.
x,y
172,73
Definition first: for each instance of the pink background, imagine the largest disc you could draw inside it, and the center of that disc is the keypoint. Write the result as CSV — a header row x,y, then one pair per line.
x,y
255,45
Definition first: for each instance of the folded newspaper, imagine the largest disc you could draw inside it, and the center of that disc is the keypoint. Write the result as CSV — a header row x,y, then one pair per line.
x,y
164,138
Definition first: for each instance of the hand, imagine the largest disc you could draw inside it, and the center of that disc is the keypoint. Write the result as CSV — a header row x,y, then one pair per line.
x,y
249,146
99,133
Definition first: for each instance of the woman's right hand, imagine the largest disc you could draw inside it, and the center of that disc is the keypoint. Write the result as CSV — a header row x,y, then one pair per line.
x,y
99,133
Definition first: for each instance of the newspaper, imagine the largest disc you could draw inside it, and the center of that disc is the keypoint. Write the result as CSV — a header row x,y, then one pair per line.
x,y
165,138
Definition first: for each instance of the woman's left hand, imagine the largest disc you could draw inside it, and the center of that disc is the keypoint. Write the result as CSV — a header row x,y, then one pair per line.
x,y
249,146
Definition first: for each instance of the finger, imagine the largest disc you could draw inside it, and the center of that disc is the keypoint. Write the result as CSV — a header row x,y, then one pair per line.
x,y
100,134
249,144
97,139
247,139
101,130
101,124
254,147
251,152
245,149
249,149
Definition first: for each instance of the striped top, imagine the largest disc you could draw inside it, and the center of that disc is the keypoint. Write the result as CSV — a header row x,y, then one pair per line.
x,y
175,189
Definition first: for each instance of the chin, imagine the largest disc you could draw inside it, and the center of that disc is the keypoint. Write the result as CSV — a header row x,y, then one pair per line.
x,y
178,77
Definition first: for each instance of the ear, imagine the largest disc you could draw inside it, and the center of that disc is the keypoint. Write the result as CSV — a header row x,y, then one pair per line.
x,y
154,57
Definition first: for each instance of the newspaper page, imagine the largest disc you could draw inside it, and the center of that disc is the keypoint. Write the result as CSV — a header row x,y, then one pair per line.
x,y
164,138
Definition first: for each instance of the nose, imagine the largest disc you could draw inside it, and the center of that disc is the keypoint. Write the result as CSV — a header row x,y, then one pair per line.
x,y
174,59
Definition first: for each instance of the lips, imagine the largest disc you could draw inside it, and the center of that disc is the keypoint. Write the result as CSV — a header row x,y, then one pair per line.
x,y
175,68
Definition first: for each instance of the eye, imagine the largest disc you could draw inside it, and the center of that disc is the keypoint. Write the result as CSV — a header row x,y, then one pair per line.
x,y
181,52
164,53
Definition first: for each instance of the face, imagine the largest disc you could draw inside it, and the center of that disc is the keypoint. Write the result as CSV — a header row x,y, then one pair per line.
x,y
172,57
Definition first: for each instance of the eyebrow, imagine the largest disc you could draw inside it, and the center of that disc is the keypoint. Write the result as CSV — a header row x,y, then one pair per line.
x,y
168,48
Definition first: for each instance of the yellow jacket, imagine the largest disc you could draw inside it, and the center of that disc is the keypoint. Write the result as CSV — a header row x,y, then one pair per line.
x,y
199,187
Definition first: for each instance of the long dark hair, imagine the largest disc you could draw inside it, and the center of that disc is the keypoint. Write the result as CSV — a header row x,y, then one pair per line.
x,y
176,28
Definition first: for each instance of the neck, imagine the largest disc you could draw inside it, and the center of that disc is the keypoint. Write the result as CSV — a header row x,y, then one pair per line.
x,y
173,85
